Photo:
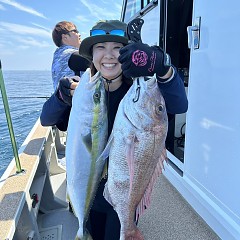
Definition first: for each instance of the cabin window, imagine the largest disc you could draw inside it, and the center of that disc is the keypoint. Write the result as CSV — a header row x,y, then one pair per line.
x,y
133,8
145,2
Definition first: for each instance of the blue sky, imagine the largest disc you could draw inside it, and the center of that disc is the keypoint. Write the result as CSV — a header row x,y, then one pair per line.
x,y
26,26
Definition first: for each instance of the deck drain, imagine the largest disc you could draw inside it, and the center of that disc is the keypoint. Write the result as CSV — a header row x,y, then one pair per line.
x,y
51,233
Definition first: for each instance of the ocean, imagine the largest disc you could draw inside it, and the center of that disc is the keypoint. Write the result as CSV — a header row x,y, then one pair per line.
x,y
27,91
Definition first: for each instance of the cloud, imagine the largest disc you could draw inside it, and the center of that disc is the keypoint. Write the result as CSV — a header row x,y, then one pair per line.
x,y
23,47
23,8
100,12
2,7
23,30
40,26
33,42
82,19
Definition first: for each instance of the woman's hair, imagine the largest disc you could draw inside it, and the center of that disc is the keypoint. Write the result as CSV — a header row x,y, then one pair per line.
x,y
61,28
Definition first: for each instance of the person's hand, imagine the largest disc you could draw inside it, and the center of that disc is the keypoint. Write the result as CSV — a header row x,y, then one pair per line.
x,y
139,59
65,89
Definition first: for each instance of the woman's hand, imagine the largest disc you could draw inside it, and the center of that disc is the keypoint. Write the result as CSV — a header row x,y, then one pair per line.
x,y
139,59
66,88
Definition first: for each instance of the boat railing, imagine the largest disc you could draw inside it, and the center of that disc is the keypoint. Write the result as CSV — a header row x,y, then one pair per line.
x,y
23,195
34,182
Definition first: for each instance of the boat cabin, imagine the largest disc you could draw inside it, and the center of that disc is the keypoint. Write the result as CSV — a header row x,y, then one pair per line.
x,y
203,144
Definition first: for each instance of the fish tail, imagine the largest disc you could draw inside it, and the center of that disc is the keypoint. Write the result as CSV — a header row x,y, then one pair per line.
x,y
86,236
134,234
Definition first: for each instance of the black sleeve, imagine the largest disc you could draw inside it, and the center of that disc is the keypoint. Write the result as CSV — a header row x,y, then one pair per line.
x,y
55,112
78,63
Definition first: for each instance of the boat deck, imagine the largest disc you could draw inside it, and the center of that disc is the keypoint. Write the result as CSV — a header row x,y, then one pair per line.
x,y
170,217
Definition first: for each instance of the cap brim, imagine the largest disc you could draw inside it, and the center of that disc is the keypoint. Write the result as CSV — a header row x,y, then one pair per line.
x,y
87,43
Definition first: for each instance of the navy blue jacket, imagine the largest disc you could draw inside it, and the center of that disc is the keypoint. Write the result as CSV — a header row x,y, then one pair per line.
x,y
56,112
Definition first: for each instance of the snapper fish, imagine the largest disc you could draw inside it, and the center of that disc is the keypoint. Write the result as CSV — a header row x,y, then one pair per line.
x,y
87,137
137,152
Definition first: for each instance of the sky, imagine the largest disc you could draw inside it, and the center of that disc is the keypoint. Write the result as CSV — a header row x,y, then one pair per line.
x,y
26,28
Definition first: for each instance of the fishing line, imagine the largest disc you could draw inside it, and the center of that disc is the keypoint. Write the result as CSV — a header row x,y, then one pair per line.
x,y
108,97
108,115
108,81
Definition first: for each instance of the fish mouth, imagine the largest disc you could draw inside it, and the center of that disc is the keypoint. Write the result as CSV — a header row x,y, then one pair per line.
x,y
151,83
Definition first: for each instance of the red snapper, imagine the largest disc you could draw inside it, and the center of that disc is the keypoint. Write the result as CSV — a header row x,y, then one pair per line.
x,y
136,153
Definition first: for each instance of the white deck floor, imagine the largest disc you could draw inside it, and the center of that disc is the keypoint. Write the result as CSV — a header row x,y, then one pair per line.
x,y
170,217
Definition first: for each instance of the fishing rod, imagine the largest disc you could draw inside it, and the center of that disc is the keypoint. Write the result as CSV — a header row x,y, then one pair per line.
x,y
20,97
9,122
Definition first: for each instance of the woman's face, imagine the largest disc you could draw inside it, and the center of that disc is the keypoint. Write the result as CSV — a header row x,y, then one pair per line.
x,y
105,59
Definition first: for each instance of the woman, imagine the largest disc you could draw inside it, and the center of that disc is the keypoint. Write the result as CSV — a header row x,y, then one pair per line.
x,y
118,62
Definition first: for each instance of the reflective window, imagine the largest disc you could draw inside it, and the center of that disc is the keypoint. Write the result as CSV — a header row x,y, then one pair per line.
x,y
132,7
145,2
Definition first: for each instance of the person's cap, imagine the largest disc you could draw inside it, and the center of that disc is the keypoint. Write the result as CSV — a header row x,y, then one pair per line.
x,y
104,31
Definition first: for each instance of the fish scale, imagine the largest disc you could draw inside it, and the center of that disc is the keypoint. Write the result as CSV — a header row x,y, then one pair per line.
x,y
136,153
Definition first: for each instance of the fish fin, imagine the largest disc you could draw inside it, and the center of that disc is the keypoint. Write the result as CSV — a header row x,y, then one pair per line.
x,y
146,199
106,151
107,195
87,140
130,160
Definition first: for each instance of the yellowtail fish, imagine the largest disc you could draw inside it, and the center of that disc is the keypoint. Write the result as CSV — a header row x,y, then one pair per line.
x,y
86,139
136,153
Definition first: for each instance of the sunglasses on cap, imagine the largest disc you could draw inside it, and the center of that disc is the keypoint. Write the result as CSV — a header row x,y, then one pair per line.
x,y
116,32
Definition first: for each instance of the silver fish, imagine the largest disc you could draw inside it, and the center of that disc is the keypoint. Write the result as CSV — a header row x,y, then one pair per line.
x,y
136,153
86,139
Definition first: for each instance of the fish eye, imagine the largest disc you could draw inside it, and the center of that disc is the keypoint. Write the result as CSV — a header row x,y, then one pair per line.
x,y
96,96
159,108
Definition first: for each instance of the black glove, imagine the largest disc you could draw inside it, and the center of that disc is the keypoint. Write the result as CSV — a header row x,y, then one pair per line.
x,y
63,91
78,63
139,59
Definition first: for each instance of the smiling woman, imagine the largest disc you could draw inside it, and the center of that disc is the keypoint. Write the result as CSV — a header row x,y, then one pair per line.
x,y
111,80
105,60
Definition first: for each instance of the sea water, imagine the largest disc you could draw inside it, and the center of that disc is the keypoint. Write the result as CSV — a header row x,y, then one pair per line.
x,y
26,91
